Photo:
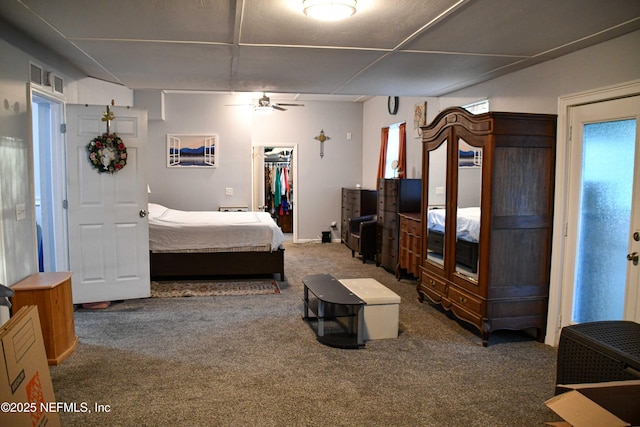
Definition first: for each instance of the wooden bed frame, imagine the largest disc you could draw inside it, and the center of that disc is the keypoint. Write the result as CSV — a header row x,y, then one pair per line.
x,y
199,265
466,252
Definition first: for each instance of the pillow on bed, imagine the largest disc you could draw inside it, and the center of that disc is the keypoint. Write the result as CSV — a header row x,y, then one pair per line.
x,y
156,210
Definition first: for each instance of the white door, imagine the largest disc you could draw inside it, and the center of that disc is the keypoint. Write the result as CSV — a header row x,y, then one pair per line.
x,y
257,191
108,229
602,273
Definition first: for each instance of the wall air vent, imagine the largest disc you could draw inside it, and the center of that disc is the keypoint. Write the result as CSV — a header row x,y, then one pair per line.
x,y
35,74
56,82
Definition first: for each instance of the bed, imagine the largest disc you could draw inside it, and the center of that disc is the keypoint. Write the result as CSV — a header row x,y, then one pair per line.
x,y
209,243
467,234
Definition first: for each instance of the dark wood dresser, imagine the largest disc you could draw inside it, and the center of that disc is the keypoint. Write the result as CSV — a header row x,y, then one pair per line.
x,y
394,196
356,202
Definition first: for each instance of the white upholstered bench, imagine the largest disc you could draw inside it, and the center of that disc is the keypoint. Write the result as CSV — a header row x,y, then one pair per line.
x,y
381,310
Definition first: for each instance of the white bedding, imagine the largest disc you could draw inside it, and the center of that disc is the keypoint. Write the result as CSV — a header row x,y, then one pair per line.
x,y
175,230
468,222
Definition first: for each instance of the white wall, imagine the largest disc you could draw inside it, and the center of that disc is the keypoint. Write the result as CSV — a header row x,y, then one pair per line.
x,y
200,188
238,129
319,179
533,90
98,92
376,116
537,89
17,237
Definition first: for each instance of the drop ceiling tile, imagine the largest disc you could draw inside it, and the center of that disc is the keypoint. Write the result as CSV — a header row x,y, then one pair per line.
x,y
202,20
523,27
154,65
378,24
422,74
308,70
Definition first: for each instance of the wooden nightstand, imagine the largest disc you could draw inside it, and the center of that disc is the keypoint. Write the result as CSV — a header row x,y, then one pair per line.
x,y
51,293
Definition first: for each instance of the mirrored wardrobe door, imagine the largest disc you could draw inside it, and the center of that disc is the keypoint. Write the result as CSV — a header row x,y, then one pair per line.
x,y
436,205
468,209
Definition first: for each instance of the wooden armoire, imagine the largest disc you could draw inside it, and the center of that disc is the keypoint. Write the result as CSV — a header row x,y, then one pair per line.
x,y
489,264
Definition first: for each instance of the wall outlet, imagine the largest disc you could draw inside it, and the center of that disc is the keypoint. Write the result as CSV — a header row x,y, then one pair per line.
x,y
228,191
21,212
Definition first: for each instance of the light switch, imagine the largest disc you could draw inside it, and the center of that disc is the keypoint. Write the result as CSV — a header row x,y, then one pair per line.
x,y
439,190
21,212
228,191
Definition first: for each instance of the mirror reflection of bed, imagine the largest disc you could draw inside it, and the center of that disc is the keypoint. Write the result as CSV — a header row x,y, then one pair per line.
x,y
468,218
468,221
468,207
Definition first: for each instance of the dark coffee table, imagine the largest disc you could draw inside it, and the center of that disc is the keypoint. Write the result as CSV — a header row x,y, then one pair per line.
x,y
325,298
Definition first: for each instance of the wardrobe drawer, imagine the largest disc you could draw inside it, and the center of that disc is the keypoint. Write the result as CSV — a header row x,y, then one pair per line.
x,y
411,227
464,299
433,283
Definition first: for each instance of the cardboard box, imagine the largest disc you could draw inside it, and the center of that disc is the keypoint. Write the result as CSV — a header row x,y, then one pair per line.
x,y
25,380
610,404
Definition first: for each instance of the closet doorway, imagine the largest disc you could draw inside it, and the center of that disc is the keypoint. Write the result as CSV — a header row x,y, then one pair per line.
x,y
275,185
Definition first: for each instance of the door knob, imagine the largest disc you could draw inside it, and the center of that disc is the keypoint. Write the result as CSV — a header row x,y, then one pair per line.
x,y
143,213
633,257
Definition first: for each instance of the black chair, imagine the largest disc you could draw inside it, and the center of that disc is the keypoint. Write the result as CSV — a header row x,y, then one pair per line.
x,y
362,236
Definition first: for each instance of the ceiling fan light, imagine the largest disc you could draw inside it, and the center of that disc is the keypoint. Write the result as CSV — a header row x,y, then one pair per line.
x,y
329,10
263,109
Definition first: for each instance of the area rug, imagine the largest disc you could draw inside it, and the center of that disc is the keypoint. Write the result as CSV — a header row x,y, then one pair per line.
x,y
176,289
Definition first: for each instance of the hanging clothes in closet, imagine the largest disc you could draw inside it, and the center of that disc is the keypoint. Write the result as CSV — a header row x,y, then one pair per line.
x,y
279,189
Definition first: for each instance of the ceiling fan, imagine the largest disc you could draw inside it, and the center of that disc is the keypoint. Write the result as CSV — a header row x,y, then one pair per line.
x,y
264,104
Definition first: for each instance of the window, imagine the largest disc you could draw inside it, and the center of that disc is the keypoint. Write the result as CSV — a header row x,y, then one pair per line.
x,y
393,151
477,107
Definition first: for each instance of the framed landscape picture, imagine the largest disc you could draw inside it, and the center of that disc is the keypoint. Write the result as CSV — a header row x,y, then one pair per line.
x,y
192,151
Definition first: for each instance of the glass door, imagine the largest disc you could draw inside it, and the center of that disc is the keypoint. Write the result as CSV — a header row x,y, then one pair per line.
x,y
603,227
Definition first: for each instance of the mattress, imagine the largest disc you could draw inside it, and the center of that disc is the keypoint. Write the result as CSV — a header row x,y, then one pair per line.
x,y
172,230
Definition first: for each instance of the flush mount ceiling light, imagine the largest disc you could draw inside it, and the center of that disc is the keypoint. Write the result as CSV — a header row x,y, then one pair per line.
x,y
329,10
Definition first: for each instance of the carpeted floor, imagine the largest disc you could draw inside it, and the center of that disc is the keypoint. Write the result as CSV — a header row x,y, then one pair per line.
x,y
253,361
203,288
